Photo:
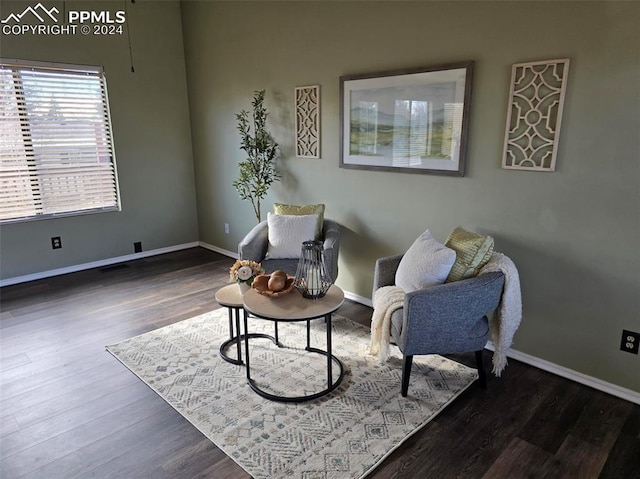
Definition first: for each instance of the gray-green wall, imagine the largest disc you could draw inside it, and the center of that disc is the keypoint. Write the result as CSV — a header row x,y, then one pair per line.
x,y
574,234
149,111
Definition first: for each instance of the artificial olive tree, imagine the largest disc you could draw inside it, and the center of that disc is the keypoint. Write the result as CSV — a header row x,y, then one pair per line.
x,y
258,170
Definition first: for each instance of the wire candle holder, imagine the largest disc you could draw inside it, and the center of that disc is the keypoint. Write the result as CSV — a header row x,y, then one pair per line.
x,y
312,279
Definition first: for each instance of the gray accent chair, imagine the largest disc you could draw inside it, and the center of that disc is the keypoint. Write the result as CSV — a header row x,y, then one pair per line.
x,y
443,319
255,243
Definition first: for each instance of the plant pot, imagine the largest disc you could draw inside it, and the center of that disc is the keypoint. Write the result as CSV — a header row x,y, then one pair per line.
x,y
244,287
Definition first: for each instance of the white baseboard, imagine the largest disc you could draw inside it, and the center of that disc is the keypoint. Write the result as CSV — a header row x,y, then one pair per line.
x,y
358,299
95,264
217,249
595,383
600,385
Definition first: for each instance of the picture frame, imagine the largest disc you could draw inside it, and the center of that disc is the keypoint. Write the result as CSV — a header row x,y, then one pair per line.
x,y
411,120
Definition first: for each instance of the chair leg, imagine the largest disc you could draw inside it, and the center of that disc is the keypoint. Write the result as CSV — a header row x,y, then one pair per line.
x,y
481,374
406,372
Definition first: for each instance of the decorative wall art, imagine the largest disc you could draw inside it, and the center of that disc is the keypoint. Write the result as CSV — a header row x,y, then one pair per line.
x,y
308,121
534,115
413,120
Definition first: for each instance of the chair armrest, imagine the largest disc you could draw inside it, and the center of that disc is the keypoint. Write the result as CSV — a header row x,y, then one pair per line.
x,y
441,314
384,273
254,245
331,235
331,245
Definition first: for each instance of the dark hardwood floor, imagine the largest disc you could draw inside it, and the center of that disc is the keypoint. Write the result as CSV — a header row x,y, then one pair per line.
x,y
69,409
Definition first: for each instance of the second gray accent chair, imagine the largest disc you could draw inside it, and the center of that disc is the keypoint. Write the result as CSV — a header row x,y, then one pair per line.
x,y
443,319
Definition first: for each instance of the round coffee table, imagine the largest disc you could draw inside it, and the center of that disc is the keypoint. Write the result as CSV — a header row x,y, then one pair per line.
x,y
293,307
230,297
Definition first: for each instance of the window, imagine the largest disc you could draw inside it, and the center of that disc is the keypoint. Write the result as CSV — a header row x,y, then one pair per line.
x,y
367,133
411,132
56,147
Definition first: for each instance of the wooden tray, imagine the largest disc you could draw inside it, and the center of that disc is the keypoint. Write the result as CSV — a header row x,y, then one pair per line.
x,y
260,285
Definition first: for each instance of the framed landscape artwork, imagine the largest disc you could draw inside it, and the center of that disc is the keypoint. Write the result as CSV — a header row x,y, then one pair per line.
x,y
413,120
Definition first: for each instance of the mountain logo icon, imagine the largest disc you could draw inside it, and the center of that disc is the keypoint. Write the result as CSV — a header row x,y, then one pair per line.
x,y
40,12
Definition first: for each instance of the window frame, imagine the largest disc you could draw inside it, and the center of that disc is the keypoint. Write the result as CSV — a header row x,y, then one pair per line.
x,y
28,122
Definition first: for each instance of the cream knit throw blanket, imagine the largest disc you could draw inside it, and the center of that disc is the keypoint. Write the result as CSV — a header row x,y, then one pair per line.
x,y
385,301
506,319
503,323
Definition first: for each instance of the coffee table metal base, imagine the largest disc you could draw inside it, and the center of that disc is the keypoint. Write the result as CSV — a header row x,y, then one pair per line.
x,y
238,340
331,359
235,338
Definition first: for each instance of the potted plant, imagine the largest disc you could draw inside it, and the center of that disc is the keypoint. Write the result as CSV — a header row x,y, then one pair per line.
x,y
258,170
243,272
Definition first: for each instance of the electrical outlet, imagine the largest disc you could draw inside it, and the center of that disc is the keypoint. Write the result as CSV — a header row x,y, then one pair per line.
x,y
137,247
56,242
630,341
226,228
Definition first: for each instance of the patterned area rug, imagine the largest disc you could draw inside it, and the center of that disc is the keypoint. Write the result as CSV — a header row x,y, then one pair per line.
x,y
345,434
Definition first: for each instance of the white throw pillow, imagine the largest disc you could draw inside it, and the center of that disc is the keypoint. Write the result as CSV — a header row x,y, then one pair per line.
x,y
287,233
426,263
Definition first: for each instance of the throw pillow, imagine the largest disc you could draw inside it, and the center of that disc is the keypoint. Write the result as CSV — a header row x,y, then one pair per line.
x,y
426,263
473,251
284,209
287,233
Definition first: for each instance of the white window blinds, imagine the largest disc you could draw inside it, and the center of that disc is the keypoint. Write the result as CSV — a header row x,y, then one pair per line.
x,y
56,146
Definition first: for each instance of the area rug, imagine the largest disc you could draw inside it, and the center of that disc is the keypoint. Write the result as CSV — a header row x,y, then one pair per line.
x,y
342,435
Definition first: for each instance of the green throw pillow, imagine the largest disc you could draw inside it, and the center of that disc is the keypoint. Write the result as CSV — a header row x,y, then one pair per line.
x,y
473,251
284,209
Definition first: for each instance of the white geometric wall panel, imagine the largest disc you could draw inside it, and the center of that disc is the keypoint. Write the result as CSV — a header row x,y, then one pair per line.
x,y
308,121
534,115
